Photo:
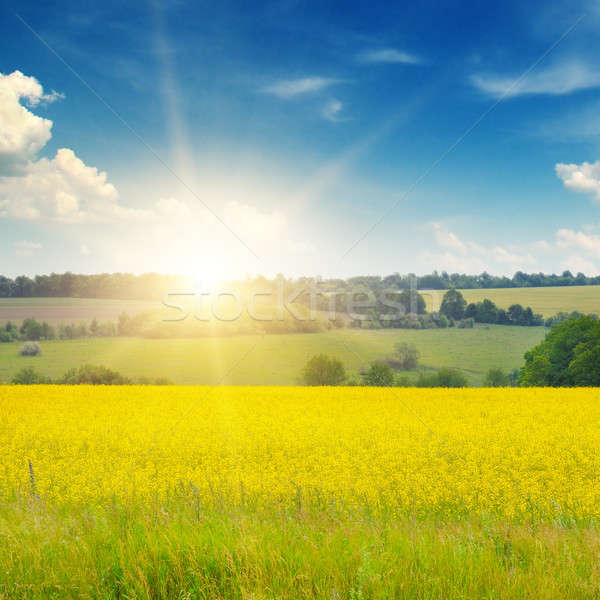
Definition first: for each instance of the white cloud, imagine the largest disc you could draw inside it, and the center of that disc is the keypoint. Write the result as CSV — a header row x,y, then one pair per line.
x,y
578,264
447,239
171,207
331,111
567,238
470,257
63,189
22,134
388,55
290,88
25,248
581,178
558,79
512,259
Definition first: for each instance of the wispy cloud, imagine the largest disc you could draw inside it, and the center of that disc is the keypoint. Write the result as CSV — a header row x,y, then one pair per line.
x,y
291,88
388,55
25,248
332,111
556,80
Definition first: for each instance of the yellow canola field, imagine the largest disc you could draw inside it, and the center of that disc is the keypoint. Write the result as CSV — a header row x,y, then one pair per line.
x,y
511,452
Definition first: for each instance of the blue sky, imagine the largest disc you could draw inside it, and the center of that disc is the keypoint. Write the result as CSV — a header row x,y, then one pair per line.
x,y
299,137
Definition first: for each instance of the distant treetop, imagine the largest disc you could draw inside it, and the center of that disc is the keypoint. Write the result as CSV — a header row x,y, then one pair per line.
x,y
155,285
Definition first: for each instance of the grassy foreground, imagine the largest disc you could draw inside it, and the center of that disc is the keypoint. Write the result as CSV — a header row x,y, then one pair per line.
x,y
278,359
188,550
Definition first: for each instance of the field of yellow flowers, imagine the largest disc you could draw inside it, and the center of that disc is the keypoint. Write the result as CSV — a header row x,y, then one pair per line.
x,y
317,493
516,453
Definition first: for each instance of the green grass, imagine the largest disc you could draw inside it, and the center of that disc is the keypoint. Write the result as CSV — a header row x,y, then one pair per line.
x,y
186,550
547,301
278,359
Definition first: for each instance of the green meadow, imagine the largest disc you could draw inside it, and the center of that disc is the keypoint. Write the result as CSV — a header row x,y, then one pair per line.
x,y
278,359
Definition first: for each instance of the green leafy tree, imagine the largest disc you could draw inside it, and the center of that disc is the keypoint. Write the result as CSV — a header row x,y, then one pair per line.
x,y
496,378
379,374
453,305
323,370
568,356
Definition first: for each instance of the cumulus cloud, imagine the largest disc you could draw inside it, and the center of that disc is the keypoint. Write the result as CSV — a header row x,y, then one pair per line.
x,y
65,190
581,178
567,238
62,189
556,80
291,88
388,55
22,134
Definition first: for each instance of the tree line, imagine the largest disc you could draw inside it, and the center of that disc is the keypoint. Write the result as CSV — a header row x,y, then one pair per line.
x,y
153,286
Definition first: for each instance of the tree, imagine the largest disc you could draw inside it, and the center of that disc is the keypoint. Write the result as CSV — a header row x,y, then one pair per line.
x,y
379,374
407,355
496,378
453,305
323,370
568,356
29,376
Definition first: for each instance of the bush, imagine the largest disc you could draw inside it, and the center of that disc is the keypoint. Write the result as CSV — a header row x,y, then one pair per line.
x,y
30,349
323,370
407,355
94,375
496,378
29,376
446,377
379,374
466,323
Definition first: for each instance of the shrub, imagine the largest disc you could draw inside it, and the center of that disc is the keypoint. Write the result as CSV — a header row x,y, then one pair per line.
x,y
30,349
323,370
29,376
94,375
446,377
379,374
496,378
407,355
5,337
466,323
